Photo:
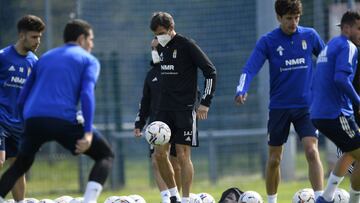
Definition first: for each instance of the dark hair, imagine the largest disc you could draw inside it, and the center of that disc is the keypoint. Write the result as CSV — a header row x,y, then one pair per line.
x,y
349,18
30,23
162,19
283,7
75,28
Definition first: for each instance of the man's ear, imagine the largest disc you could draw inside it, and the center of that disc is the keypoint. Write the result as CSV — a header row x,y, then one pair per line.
x,y
21,36
80,40
278,17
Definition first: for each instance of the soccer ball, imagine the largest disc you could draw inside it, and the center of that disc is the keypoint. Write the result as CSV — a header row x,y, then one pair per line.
x,y
31,200
112,199
46,201
126,199
137,198
194,198
157,133
77,200
341,196
63,199
250,197
206,197
305,195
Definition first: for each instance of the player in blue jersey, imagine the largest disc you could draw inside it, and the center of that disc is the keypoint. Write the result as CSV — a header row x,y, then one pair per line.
x,y
331,107
62,78
16,62
289,50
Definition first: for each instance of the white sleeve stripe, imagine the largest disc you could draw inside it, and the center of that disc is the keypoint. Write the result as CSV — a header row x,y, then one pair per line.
x,y
208,87
240,88
352,50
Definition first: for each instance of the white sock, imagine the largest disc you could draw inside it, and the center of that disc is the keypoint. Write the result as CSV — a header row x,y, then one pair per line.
x,y
333,182
165,196
354,196
174,192
2,200
318,193
92,192
185,200
272,198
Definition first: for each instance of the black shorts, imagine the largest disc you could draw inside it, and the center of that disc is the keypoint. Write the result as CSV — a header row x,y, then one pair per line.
x,y
280,121
40,130
342,131
172,150
183,126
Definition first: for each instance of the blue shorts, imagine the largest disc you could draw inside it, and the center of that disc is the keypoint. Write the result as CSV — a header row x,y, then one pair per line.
x,y
9,141
279,125
342,131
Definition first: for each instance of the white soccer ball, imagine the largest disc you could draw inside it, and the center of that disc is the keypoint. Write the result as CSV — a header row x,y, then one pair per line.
x,y
206,197
305,195
341,196
9,201
250,197
137,198
126,199
63,199
77,200
194,198
46,201
112,199
31,200
157,133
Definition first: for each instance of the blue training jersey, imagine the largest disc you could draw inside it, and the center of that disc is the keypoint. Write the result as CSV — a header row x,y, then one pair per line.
x,y
62,78
14,70
290,66
332,88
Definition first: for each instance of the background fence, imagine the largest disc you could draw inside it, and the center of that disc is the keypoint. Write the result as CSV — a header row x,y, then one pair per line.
x,y
226,30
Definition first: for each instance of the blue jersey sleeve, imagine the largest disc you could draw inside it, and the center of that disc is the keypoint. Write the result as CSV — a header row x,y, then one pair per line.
x,y
253,66
344,69
87,95
318,44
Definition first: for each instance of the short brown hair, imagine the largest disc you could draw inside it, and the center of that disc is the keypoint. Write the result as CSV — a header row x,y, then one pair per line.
x,y
283,7
162,19
30,23
75,28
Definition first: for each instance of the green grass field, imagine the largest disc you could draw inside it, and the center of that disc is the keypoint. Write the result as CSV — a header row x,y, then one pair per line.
x,y
137,182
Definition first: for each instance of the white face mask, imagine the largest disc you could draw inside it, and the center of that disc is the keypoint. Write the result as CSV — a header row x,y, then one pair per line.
x,y
163,39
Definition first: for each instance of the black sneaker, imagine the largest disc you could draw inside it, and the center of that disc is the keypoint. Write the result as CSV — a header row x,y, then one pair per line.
x,y
174,200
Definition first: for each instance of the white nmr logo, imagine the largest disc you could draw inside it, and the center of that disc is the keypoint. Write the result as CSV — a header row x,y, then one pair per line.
x,y
167,67
298,61
18,80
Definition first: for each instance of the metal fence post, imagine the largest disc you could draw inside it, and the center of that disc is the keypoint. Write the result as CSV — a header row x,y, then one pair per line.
x,y
212,159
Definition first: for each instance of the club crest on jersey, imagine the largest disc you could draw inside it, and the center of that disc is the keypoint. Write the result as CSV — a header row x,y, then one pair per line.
x,y
174,54
280,50
304,44
161,56
12,68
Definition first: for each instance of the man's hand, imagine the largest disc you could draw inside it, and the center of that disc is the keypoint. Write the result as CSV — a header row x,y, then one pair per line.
x,y
154,44
137,132
202,112
240,99
84,143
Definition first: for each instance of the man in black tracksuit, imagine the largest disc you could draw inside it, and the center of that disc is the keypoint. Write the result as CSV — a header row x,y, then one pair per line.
x,y
180,59
147,109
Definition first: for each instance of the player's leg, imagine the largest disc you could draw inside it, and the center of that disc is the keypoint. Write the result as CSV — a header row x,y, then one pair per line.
x,y
185,138
31,142
355,177
2,151
309,139
164,192
18,191
344,133
176,166
278,131
162,157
